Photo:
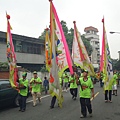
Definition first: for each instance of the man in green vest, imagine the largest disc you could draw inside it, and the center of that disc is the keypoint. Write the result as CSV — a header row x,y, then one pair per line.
x,y
108,88
115,77
65,81
23,91
36,87
86,87
73,86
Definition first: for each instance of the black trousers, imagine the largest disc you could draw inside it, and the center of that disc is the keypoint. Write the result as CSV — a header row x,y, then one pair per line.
x,y
53,101
106,94
85,104
22,102
73,92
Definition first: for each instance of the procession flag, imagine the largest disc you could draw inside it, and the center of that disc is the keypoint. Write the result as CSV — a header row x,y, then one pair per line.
x,y
79,53
60,56
106,59
47,50
103,49
11,56
63,55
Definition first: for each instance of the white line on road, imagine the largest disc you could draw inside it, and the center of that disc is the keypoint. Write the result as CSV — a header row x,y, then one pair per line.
x,y
49,95
41,98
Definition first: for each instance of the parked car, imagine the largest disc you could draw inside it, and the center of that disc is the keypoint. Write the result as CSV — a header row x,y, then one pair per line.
x,y
8,95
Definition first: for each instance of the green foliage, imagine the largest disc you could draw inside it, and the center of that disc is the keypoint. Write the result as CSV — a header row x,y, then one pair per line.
x,y
43,69
116,64
42,37
4,66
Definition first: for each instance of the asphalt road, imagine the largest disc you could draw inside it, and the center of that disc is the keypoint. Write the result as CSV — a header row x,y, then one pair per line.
x,y
70,110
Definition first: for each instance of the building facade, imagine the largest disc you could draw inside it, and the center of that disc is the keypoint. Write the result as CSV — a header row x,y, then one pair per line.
x,y
91,35
30,52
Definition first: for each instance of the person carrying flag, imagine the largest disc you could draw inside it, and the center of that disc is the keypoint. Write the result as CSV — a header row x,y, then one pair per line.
x,y
86,87
73,86
23,91
108,89
115,77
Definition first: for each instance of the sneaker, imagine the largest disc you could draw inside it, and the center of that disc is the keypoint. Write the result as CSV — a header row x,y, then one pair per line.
x,y
90,115
22,110
106,101
34,105
81,116
74,98
110,101
51,107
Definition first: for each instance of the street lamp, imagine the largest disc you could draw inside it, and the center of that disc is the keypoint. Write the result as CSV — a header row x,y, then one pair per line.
x,y
114,32
117,33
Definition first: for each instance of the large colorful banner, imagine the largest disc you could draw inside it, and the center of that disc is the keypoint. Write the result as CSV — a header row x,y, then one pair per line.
x,y
106,62
47,50
79,53
63,54
60,57
54,89
11,56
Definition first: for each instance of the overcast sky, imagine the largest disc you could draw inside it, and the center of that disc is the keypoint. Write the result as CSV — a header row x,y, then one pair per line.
x,y
30,17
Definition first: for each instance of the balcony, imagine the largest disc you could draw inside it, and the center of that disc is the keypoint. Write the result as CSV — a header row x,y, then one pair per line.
x,y
91,36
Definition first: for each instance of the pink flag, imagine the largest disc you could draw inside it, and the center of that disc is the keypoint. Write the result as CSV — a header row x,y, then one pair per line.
x,y
64,58
11,56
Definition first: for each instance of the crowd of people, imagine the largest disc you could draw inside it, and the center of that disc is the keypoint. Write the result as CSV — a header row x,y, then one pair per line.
x,y
71,83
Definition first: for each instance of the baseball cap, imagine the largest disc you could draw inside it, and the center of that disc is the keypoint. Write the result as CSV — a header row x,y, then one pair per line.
x,y
24,74
34,72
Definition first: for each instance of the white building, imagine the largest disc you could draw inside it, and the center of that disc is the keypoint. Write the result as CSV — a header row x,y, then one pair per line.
x,y
91,34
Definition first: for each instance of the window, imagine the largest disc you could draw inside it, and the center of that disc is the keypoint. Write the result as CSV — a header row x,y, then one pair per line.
x,y
18,46
3,40
5,85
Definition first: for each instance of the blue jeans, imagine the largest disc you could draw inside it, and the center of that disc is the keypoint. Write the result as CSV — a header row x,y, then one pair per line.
x,y
101,83
85,104
73,92
46,89
53,101
22,102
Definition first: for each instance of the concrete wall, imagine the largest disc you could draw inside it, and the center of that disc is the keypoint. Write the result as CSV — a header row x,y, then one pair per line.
x,y
22,57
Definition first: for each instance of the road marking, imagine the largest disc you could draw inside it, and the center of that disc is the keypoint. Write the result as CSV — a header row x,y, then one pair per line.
x,y
94,96
41,98
49,95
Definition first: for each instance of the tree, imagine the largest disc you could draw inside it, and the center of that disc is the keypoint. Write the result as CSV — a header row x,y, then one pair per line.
x,y
116,64
4,66
42,36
